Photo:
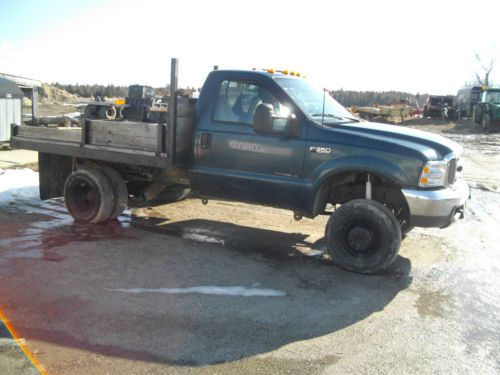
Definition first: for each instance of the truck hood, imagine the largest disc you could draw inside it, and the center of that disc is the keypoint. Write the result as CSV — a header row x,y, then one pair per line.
x,y
422,141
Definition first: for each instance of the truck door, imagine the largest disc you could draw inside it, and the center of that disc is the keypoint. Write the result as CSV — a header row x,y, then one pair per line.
x,y
234,162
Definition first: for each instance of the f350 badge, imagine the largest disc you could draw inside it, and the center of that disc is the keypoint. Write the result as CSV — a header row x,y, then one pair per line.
x,y
320,150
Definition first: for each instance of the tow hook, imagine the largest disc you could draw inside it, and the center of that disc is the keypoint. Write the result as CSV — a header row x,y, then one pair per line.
x,y
297,216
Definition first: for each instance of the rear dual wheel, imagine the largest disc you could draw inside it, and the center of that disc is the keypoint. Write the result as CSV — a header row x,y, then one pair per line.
x,y
95,194
363,236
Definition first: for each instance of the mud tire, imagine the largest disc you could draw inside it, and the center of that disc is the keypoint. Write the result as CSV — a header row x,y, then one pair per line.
x,y
119,188
89,196
363,236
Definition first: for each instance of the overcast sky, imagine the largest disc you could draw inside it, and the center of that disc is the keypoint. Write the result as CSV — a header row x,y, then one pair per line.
x,y
415,46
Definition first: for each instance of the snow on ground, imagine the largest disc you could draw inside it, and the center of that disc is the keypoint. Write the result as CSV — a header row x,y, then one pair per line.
x,y
211,290
18,184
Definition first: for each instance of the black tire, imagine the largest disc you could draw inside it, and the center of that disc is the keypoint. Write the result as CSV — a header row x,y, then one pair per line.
x,y
476,114
89,195
486,123
363,236
119,188
120,112
108,113
405,230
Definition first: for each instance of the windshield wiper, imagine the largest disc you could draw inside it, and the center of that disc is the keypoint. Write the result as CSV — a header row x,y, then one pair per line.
x,y
352,119
329,115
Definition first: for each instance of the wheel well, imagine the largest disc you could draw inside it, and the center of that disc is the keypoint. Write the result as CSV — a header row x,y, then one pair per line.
x,y
346,186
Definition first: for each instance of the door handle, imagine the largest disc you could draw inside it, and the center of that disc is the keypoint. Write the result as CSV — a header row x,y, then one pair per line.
x,y
206,140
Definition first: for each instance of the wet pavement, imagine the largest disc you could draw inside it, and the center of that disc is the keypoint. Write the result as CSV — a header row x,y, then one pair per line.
x,y
231,288
12,358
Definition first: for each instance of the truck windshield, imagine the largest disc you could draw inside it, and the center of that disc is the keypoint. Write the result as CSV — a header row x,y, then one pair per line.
x,y
310,100
492,96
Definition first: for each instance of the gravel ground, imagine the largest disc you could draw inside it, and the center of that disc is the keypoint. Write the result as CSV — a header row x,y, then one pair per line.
x,y
231,288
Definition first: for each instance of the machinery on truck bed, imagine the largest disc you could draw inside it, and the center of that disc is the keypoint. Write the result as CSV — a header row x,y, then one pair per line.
x,y
264,137
139,105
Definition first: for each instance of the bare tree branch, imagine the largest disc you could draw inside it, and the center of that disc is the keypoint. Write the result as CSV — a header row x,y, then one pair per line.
x,y
487,69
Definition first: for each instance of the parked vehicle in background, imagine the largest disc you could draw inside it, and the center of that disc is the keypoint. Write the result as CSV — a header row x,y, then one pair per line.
x,y
435,104
489,109
467,98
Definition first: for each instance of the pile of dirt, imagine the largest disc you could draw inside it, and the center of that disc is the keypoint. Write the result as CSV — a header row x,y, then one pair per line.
x,y
51,93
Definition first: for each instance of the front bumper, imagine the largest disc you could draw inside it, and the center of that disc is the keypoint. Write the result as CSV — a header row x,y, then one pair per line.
x,y
437,208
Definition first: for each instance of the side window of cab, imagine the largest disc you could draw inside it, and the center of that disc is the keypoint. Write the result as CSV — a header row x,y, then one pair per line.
x,y
237,101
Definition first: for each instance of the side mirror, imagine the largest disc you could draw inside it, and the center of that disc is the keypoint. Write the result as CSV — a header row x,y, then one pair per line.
x,y
265,121
263,118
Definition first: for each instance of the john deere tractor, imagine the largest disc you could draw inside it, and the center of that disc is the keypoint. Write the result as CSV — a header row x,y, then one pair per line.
x,y
488,109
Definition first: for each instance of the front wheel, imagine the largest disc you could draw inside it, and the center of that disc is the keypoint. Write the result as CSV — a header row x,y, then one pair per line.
x,y
363,236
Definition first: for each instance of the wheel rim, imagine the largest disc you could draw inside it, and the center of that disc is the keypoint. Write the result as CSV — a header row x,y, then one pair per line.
x,y
360,238
85,199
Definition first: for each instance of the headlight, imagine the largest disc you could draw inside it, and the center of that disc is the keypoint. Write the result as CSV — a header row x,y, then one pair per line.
x,y
433,174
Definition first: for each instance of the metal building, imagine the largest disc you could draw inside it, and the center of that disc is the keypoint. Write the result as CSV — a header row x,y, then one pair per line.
x,y
10,107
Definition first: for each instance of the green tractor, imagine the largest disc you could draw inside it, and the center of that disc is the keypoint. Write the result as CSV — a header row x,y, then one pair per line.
x,y
487,110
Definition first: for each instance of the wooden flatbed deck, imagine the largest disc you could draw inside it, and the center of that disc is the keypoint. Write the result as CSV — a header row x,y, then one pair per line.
x,y
126,142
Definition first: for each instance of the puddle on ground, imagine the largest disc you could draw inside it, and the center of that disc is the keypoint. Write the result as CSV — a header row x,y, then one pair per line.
x,y
34,231
432,303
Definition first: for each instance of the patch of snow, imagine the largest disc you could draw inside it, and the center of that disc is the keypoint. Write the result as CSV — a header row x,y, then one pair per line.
x,y
18,184
202,235
314,253
73,114
209,289
202,238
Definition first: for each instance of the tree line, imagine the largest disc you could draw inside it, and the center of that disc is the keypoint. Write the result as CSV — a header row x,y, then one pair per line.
x,y
349,98
95,90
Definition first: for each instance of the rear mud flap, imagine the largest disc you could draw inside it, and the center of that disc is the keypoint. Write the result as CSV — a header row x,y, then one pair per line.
x,y
53,171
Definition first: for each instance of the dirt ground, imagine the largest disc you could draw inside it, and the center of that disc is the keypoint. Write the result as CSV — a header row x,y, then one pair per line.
x,y
149,294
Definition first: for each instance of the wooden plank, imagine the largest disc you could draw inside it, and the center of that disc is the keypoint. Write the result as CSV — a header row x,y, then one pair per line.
x,y
54,134
127,134
123,156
